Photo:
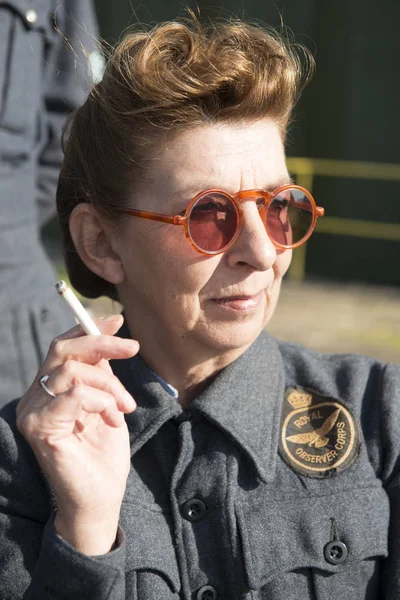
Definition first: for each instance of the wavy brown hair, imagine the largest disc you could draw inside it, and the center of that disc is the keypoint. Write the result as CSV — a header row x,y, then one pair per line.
x,y
179,74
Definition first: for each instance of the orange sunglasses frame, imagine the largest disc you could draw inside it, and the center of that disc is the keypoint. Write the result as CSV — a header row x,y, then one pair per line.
x,y
183,220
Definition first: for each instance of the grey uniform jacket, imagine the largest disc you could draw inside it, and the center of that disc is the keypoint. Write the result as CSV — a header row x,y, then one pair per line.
x,y
281,481
42,77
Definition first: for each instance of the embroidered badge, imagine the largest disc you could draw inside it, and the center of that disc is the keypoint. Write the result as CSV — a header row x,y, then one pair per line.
x,y
319,436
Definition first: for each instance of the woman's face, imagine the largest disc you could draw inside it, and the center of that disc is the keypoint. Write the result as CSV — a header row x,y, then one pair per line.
x,y
170,291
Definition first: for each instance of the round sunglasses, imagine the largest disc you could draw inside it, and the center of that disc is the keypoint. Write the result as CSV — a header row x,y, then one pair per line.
x,y
213,219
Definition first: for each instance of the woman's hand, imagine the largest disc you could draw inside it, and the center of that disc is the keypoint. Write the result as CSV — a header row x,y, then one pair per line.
x,y
80,437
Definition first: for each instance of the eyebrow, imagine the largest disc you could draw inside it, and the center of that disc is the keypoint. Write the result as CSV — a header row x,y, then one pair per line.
x,y
286,180
191,191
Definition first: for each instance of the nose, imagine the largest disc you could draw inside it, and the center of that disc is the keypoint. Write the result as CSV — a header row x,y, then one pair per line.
x,y
253,247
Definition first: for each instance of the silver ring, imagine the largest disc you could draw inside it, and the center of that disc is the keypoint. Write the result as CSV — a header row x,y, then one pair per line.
x,y
42,383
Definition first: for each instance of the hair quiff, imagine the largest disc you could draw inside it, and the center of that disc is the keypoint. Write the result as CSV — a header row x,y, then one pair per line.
x,y
179,74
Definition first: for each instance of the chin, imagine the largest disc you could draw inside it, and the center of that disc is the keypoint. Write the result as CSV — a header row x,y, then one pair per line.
x,y
237,335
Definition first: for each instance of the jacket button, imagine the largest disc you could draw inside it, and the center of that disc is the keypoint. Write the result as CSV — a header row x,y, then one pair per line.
x,y
207,592
335,552
194,510
31,16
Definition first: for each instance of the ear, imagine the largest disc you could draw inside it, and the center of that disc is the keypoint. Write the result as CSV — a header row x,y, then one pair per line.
x,y
91,234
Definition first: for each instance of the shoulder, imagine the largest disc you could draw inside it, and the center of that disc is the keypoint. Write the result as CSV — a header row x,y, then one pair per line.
x,y
332,373
368,387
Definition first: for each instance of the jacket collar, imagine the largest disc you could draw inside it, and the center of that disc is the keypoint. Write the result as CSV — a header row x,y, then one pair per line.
x,y
244,400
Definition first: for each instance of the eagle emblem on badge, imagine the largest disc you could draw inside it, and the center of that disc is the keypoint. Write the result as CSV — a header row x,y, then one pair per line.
x,y
319,434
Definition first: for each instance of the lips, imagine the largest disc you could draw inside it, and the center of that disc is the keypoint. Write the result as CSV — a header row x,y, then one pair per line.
x,y
242,302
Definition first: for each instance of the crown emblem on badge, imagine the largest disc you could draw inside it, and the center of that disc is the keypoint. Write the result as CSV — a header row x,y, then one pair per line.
x,y
299,399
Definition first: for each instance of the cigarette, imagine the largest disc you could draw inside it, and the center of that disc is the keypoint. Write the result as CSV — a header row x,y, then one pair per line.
x,y
81,314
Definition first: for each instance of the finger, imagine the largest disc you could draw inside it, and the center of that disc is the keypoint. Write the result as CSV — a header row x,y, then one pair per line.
x,y
90,349
67,377
112,417
72,373
74,406
75,344
107,325
67,413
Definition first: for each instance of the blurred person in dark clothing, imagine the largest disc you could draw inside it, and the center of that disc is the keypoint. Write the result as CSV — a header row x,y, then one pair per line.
x,y
46,49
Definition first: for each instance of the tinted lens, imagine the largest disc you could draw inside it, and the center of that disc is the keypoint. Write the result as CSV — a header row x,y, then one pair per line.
x,y
289,217
212,222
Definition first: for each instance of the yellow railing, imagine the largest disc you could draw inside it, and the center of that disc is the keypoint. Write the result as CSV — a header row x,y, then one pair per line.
x,y
305,169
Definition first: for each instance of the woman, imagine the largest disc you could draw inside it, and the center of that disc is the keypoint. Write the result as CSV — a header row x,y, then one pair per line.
x,y
249,468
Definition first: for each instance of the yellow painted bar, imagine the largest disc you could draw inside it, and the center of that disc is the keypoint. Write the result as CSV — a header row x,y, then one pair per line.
x,y
305,169
358,228
297,268
343,168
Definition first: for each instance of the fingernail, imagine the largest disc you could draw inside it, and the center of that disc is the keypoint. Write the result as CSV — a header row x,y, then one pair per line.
x,y
111,318
130,401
